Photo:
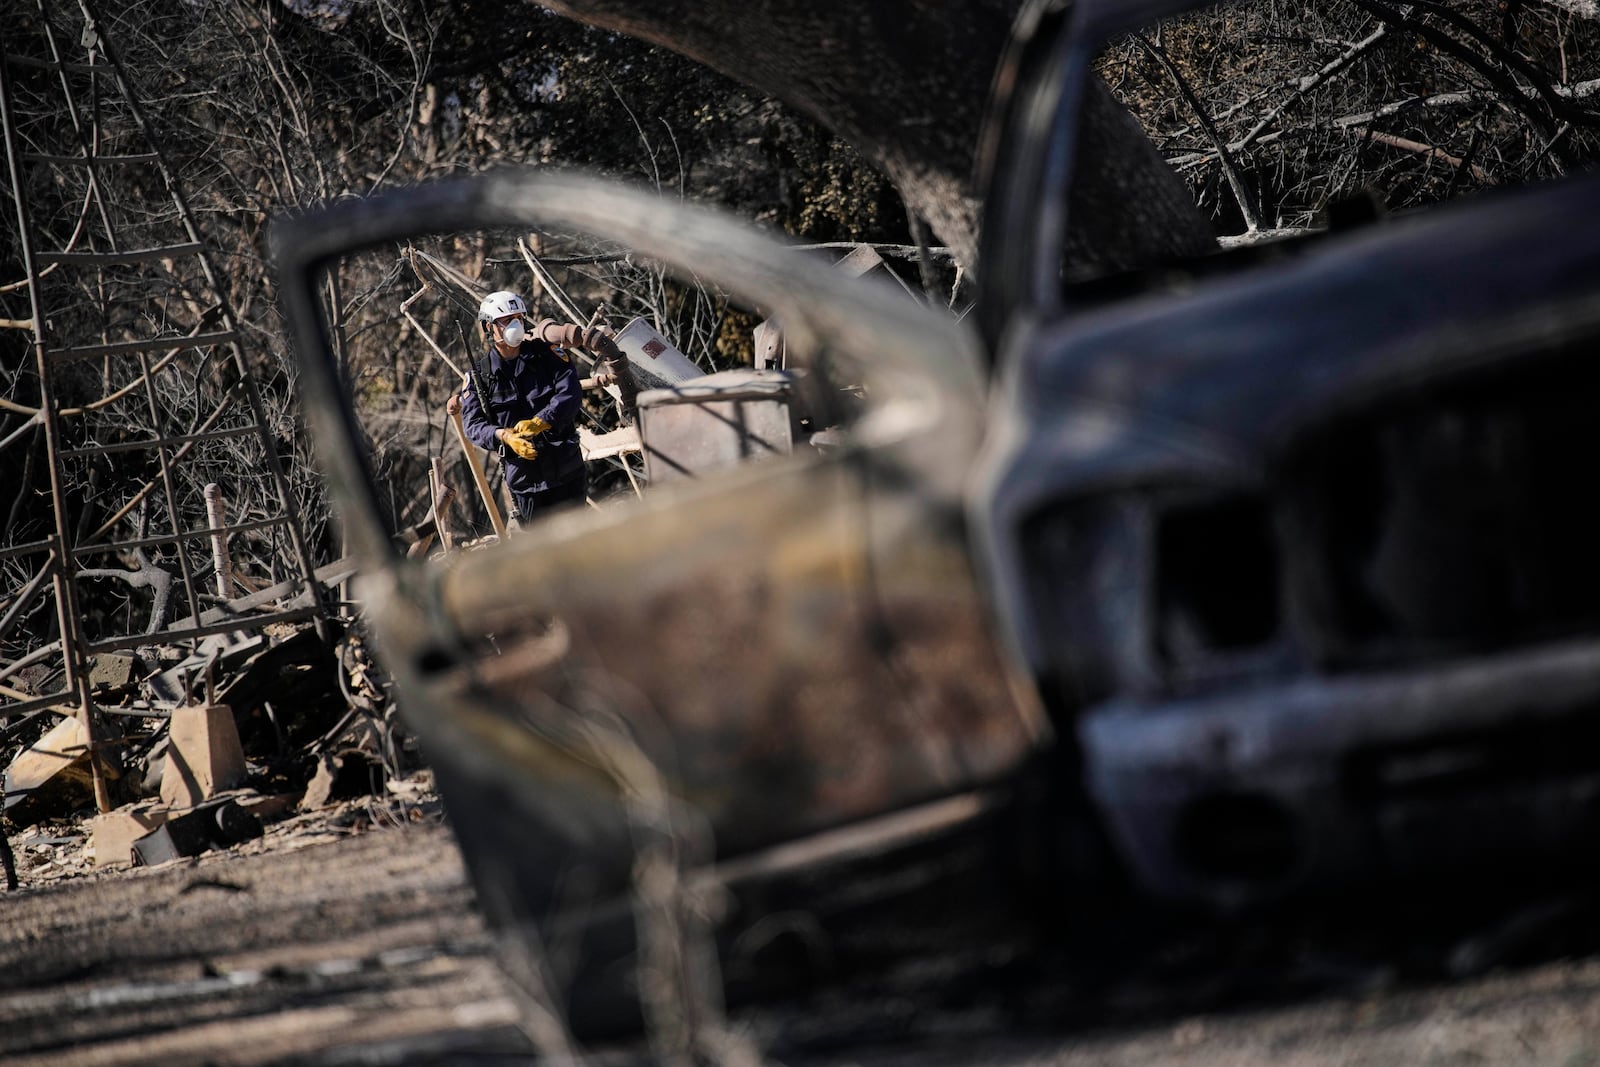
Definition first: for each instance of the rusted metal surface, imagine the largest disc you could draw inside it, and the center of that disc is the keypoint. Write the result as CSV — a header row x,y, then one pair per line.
x,y
781,691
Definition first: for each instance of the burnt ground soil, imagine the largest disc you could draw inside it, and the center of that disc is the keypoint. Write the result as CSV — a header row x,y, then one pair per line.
x,y
350,935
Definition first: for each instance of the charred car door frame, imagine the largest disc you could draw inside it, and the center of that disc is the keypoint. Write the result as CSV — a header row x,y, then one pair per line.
x,y
795,654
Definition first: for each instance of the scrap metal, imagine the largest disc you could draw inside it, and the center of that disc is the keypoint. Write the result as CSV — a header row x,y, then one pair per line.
x,y
37,48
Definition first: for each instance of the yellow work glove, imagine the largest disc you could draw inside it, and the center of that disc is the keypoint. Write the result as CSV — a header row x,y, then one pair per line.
x,y
531,427
520,445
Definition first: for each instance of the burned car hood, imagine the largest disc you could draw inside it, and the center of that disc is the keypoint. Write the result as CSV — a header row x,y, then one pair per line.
x,y
1218,380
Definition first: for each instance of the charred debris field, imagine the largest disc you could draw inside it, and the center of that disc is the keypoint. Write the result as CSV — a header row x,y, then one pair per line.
x,y
343,928
351,936
226,847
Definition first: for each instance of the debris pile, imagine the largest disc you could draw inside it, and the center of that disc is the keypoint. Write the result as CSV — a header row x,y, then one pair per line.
x,y
207,743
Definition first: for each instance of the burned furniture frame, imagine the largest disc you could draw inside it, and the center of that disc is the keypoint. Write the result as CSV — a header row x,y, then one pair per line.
x,y
1300,556
799,673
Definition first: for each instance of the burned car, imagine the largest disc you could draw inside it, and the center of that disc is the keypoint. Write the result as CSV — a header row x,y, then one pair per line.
x,y
1238,577
1291,537
1319,589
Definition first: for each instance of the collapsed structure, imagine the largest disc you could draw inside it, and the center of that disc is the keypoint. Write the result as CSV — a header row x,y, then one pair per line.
x,y
133,412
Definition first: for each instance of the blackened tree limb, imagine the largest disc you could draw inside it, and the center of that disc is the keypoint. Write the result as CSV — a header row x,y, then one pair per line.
x,y
1507,57
1310,82
1241,194
1492,69
908,85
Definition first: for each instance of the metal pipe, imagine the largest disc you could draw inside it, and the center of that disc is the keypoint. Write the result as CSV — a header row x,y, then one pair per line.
x,y
76,678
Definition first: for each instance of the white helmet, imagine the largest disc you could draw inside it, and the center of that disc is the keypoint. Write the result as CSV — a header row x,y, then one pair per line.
x,y
499,305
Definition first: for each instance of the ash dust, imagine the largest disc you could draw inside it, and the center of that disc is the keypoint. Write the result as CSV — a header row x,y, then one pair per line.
x,y
351,935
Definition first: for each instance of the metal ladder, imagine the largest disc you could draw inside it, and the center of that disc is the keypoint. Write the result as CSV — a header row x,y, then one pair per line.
x,y
165,330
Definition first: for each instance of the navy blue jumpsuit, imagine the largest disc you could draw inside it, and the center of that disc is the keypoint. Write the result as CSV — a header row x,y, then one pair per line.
x,y
540,382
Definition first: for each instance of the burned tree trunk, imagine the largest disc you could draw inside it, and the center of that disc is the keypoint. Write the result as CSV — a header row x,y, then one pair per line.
x,y
908,85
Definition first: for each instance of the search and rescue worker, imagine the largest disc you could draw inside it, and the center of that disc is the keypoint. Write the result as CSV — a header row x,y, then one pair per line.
x,y
530,415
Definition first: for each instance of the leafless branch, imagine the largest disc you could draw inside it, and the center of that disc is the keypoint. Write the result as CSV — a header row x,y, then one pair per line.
x,y
1408,145
1586,9
1235,182
1310,82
